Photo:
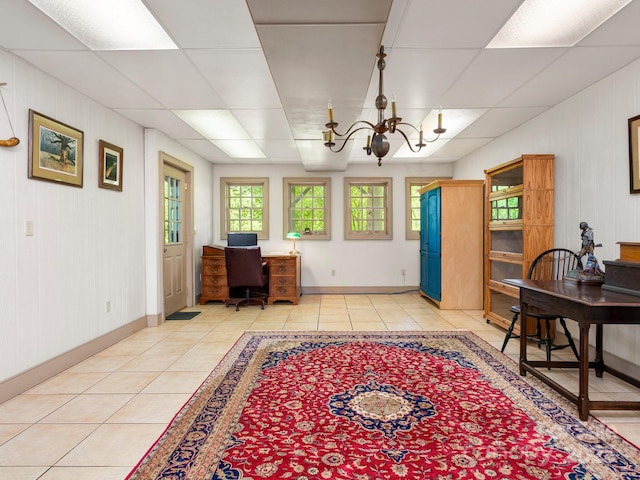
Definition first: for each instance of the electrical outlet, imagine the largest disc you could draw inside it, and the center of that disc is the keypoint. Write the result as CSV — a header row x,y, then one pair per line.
x,y
108,306
28,228
333,273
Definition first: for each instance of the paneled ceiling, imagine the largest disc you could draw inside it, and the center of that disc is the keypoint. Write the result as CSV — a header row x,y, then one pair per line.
x,y
274,64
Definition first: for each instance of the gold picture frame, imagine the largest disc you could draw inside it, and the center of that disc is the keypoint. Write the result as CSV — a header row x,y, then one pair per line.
x,y
110,170
56,150
634,170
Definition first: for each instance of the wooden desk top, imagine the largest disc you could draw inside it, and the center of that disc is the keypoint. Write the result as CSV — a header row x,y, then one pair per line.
x,y
589,295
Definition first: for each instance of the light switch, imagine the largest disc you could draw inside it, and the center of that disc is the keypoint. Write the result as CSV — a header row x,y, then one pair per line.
x,y
28,228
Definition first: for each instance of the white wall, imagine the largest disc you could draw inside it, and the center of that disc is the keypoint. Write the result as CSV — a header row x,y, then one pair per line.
x,y
88,243
357,263
589,136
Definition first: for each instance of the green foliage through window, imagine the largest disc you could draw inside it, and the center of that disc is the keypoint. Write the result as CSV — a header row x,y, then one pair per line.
x,y
506,209
307,209
246,206
369,209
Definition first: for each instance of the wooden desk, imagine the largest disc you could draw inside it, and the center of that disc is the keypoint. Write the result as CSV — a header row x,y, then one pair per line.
x,y
284,276
586,305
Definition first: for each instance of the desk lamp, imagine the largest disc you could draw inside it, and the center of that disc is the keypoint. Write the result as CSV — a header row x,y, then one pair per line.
x,y
294,235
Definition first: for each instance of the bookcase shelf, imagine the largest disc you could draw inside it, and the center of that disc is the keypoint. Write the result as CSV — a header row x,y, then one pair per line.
x,y
519,197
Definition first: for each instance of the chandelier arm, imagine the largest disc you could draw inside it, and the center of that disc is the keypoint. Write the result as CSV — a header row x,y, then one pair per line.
x,y
349,134
419,145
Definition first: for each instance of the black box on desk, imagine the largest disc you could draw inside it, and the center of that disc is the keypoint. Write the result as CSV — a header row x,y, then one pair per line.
x,y
622,277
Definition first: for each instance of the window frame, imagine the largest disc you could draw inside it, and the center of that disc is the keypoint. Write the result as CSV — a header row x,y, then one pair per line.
x,y
225,184
387,182
409,182
287,183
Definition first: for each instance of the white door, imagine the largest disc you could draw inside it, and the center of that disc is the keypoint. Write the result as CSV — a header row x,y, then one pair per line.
x,y
174,268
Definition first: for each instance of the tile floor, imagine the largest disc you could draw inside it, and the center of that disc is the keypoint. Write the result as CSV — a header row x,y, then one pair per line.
x,y
97,419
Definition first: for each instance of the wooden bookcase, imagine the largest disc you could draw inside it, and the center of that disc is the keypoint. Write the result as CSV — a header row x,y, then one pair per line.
x,y
518,227
451,243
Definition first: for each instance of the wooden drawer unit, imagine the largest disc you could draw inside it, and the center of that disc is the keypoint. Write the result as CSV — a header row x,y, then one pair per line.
x,y
284,278
214,275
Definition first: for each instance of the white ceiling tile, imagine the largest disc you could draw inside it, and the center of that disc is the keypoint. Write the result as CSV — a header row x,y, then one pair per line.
x,y
92,77
481,86
458,148
571,73
205,149
26,27
160,119
168,76
206,23
499,121
278,149
264,123
241,77
420,78
454,23
622,29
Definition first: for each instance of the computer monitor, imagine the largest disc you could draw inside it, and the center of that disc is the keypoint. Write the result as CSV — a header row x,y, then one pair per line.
x,y
242,239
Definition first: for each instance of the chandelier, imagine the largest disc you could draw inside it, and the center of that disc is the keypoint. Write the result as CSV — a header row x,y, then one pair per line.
x,y
377,143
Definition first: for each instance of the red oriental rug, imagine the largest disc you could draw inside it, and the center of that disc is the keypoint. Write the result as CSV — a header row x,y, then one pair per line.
x,y
380,405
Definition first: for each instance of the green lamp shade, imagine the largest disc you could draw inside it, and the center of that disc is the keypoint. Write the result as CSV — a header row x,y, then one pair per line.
x,y
294,236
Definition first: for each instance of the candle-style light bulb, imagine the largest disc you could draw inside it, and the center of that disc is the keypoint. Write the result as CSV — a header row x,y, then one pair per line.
x,y
440,118
330,108
393,105
420,134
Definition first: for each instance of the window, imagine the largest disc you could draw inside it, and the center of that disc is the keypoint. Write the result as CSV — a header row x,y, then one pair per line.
x,y
245,203
307,207
412,204
173,207
368,209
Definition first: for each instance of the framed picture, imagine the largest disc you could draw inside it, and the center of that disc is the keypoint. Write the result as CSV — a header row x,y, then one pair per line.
x,y
634,172
55,150
110,170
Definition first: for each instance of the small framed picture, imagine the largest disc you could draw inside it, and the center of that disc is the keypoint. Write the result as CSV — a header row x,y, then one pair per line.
x,y
55,151
634,171
110,170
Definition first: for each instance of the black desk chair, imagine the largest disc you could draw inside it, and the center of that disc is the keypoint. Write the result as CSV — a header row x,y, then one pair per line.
x,y
552,264
245,270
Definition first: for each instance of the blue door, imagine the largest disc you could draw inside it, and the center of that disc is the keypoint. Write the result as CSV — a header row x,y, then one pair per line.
x,y
433,245
423,242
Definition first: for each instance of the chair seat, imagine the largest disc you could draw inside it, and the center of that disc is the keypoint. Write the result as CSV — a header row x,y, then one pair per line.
x,y
539,315
553,264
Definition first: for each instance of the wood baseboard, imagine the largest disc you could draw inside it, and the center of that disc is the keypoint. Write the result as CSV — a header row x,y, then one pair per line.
x,y
30,378
357,290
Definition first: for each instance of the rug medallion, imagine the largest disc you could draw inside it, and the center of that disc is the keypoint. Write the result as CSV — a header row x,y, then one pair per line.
x,y
380,405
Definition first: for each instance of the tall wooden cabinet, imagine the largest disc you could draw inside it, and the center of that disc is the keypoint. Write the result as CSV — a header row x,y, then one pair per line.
x,y
451,243
519,226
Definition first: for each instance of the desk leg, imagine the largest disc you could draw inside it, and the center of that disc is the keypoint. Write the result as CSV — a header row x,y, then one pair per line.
x,y
523,337
599,360
583,393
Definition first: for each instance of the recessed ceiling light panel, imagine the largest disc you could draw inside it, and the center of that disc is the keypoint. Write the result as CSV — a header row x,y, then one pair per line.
x,y
108,24
554,23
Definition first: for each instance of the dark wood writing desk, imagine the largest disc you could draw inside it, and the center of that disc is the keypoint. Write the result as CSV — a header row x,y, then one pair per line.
x,y
586,305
